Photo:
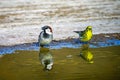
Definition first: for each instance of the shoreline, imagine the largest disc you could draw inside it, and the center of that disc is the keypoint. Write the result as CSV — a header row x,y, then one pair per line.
x,y
98,41
102,37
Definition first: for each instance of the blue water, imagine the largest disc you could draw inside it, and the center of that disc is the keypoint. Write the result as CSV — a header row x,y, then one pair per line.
x,y
75,43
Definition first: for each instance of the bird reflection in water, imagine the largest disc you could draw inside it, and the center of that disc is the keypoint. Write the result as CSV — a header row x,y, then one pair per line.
x,y
86,54
46,58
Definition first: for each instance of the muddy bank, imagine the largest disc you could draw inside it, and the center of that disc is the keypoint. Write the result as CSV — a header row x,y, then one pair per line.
x,y
100,40
97,37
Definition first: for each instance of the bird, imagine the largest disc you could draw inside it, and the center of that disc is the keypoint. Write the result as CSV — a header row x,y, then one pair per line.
x,y
46,58
86,54
46,36
85,35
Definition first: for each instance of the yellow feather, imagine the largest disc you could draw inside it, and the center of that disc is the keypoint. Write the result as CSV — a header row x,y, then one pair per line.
x,y
87,34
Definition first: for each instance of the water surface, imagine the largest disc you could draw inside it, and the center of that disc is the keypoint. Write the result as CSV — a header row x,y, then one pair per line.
x,y
67,64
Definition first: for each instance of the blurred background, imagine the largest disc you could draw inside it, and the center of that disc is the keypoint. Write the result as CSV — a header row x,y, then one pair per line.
x,y
21,20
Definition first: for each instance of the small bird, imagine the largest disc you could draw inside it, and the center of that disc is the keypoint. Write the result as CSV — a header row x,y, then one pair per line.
x,y
86,54
85,35
46,58
46,36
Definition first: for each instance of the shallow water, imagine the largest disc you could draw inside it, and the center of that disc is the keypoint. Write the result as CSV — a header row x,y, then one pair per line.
x,y
73,43
21,20
68,64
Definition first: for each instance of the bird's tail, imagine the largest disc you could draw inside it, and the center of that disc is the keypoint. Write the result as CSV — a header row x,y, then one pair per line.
x,y
78,32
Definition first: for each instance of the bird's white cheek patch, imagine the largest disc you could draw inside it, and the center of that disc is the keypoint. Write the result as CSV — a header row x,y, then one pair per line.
x,y
48,32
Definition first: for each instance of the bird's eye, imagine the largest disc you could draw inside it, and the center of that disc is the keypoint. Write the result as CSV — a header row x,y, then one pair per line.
x,y
90,29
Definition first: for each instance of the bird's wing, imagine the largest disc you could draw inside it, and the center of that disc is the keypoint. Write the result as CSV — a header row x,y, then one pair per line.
x,y
39,36
82,33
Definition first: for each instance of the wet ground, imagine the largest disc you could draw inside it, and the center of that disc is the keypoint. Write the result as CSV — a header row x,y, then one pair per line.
x,y
68,64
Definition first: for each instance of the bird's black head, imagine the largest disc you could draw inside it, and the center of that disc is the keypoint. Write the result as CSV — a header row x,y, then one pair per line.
x,y
47,27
